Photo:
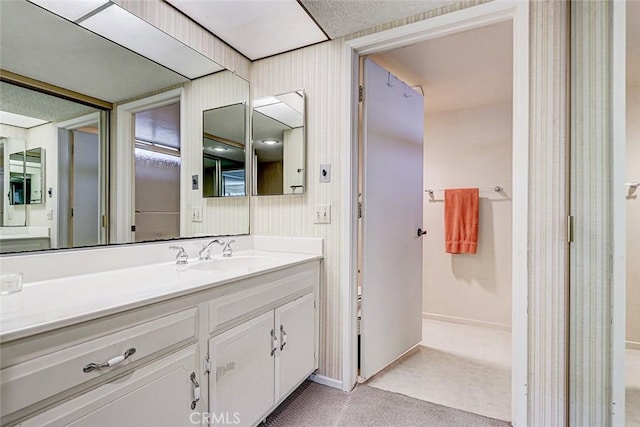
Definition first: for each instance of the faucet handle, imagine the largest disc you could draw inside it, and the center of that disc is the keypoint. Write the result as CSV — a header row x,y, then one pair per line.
x,y
181,257
227,251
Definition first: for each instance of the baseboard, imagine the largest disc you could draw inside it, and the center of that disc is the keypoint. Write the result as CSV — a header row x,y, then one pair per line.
x,y
464,321
329,382
632,345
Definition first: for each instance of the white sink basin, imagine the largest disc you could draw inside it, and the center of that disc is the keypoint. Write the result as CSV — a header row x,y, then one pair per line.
x,y
235,263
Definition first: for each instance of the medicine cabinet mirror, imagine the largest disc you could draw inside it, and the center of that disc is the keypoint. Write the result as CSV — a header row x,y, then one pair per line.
x,y
279,144
223,151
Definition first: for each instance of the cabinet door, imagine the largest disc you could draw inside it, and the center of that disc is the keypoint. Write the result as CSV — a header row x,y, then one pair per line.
x,y
157,395
241,383
295,324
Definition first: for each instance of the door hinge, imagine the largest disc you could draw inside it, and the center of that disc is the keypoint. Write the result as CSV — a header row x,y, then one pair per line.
x,y
104,221
570,229
314,304
359,209
360,93
72,212
207,365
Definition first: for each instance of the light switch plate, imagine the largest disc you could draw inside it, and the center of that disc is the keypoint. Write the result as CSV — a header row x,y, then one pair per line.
x,y
196,214
49,214
325,173
322,214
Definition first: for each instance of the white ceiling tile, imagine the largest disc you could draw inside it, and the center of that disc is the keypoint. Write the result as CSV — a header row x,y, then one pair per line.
x,y
256,28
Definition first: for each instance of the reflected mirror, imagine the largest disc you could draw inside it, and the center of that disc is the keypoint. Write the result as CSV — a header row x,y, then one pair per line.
x,y
59,89
26,177
223,151
278,148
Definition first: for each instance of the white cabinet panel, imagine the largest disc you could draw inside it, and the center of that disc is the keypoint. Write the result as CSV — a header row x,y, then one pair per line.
x,y
158,395
295,325
241,381
26,383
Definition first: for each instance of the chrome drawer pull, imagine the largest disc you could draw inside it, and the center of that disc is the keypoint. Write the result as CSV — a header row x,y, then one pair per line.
x,y
111,362
196,391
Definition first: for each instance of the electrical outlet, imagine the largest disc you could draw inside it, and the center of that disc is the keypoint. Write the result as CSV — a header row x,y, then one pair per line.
x,y
322,214
196,214
49,214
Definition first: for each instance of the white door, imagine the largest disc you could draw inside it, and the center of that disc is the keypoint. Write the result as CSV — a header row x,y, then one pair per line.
x,y
392,126
296,359
241,382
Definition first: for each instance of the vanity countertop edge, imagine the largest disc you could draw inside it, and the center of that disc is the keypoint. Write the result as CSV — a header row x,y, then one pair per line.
x,y
39,307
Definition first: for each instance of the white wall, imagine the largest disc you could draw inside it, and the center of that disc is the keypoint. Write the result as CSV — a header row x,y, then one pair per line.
x,y
469,148
633,217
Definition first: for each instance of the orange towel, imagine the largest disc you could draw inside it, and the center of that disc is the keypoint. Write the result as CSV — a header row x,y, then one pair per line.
x,y
461,220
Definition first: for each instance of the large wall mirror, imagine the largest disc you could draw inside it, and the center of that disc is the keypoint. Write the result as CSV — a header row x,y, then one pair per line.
x,y
59,90
279,144
223,151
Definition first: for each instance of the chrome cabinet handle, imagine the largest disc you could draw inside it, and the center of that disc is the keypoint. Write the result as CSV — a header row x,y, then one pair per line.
x,y
274,342
196,391
111,362
283,337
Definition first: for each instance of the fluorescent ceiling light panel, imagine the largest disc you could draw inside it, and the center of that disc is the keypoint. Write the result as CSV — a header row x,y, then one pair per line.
x,y
282,113
265,101
126,29
257,28
19,120
70,9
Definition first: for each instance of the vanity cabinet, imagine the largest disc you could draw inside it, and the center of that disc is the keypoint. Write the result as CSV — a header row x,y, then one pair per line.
x,y
258,363
230,352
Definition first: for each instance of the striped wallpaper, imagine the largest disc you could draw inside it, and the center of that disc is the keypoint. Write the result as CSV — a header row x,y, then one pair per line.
x,y
548,257
591,178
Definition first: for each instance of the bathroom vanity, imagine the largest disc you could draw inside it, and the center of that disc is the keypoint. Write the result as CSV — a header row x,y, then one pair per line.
x,y
211,342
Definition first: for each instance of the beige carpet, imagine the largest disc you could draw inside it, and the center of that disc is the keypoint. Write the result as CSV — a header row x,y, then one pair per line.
x,y
316,405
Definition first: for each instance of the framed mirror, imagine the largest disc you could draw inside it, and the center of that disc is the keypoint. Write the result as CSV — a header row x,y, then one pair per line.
x,y
279,144
223,151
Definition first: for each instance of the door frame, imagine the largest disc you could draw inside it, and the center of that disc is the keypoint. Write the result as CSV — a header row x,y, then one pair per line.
x,y
439,26
619,215
124,166
101,118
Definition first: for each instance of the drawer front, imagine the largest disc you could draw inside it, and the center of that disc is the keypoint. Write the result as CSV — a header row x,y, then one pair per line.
x,y
157,395
242,305
35,380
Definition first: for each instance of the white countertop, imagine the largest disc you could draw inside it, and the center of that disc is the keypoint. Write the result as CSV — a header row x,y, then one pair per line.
x,y
46,305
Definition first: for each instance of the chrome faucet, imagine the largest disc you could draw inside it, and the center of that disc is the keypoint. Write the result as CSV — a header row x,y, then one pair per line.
x,y
227,250
205,252
181,257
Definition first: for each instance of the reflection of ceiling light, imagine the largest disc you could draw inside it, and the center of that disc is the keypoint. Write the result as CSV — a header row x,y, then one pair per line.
x,y
19,120
220,149
270,141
